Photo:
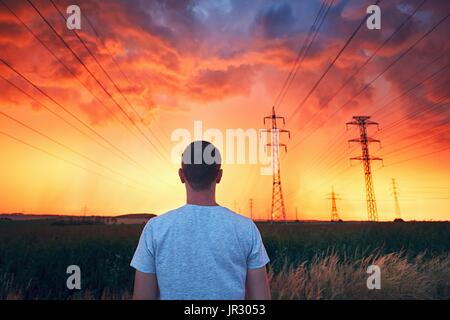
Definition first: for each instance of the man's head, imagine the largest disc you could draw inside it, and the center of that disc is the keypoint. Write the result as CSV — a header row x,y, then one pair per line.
x,y
200,166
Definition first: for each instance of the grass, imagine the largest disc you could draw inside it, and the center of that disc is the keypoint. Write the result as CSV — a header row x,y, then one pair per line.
x,y
308,260
330,277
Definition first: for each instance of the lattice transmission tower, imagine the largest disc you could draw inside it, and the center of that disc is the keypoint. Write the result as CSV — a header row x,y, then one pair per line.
x,y
395,194
363,122
333,197
278,210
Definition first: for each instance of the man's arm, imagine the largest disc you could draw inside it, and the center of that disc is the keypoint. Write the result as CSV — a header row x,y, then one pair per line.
x,y
145,286
257,284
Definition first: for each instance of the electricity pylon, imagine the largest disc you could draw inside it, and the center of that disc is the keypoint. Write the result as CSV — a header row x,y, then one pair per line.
x,y
278,210
333,197
395,194
362,122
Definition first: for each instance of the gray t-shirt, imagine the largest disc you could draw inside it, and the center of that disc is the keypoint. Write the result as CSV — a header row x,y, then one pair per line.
x,y
200,252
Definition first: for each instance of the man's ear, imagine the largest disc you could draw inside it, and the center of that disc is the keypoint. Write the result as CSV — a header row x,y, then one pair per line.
x,y
181,175
219,176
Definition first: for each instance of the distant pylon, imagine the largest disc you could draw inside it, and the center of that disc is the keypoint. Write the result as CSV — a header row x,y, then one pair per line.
x,y
362,122
250,203
278,210
334,213
395,194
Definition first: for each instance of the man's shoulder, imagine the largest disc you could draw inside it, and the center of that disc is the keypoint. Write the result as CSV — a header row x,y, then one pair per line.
x,y
170,216
238,217
239,222
165,217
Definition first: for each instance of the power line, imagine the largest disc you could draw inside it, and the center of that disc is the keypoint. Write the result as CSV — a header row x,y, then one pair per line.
x,y
344,170
418,157
397,59
328,152
329,162
114,84
131,161
426,131
417,142
414,114
330,66
327,180
404,93
313,32
297,109
385,70
431,134
401,123
123,155
54,113
67,161
67,147
66,67
97,34
414,148
89,71
330,166
352,76
411,116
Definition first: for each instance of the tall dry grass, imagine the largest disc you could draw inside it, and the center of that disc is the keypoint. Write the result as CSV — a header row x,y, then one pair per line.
x,y
308,260
333,278
329,277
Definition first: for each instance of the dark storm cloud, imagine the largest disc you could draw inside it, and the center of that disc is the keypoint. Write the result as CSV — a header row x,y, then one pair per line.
x,y
195,48
276,21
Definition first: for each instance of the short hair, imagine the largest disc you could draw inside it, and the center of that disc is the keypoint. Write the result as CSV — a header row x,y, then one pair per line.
x,y
201,163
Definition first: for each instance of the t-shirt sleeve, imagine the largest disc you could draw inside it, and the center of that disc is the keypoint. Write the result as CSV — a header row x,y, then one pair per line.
x,y
258,256
144,258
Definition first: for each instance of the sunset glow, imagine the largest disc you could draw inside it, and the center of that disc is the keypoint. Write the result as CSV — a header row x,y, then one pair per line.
x,y
224,63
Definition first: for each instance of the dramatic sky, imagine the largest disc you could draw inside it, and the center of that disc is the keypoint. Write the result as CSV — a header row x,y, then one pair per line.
x,y
91,128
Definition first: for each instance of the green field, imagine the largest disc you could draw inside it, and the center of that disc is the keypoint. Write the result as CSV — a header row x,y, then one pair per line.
x,y
308,260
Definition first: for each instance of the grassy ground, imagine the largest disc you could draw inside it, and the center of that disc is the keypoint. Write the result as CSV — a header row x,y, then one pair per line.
x,y
309,260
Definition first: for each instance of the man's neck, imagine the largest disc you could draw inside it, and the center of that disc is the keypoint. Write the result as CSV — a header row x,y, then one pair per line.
x,y
201,198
